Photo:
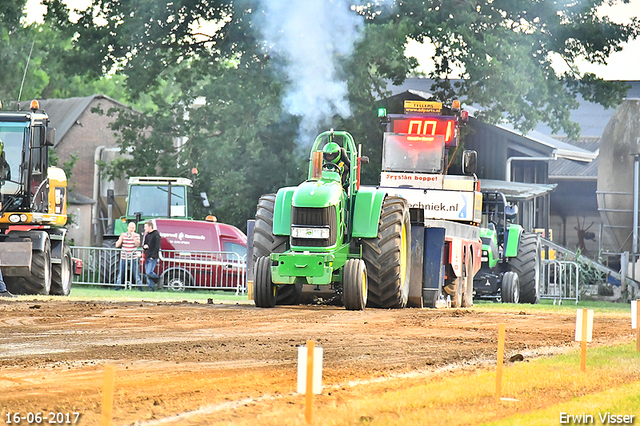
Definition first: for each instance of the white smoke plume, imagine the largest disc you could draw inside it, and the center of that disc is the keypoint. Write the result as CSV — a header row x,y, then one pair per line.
x,y
311,39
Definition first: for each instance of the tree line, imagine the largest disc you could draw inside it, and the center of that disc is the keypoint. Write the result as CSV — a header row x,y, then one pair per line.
x,y
245,84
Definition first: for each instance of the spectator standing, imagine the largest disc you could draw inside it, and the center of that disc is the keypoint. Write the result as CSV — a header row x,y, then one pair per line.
x,y
129,256
151,246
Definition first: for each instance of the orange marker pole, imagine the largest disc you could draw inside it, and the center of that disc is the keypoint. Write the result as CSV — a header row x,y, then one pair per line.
x,y
107,395
638,325
501,331
309,399
583,343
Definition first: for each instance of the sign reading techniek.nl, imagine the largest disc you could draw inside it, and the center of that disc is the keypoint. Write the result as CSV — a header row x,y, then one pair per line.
x,y
451,205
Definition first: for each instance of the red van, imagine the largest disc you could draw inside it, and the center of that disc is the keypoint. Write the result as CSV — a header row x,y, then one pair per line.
x,y
201,254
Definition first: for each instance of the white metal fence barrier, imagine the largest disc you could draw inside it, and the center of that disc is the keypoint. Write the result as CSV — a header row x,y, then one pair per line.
x,y
179,270
560,280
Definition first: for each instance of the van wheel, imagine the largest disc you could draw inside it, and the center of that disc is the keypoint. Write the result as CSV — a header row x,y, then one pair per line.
x,y
177,281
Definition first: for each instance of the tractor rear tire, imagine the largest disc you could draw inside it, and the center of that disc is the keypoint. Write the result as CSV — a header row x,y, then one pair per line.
x,y
264,294
62,275
354,285
388,256
510,288
265,243
527,265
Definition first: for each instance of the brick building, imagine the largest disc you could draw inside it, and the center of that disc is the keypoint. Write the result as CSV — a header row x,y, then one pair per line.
x,y
83,131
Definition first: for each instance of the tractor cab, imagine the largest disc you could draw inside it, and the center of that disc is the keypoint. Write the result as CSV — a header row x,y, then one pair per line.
x,y
27,184
497,221
334,159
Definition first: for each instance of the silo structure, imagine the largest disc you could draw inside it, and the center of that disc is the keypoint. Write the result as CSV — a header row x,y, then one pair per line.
x,y
619,147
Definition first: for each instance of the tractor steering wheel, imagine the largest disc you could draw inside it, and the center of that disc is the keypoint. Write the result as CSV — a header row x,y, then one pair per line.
x,y
331,167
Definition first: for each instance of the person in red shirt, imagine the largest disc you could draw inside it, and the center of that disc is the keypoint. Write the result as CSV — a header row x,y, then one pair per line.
x,y
129,256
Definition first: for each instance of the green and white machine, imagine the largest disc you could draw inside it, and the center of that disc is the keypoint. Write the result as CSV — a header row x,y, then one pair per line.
x,y
330,237
511,258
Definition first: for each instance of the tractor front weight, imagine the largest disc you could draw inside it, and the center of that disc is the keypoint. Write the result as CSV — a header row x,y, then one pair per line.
x,y
314,268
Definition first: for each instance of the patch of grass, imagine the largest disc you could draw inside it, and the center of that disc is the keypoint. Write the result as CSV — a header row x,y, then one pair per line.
x,y
539,390
547,305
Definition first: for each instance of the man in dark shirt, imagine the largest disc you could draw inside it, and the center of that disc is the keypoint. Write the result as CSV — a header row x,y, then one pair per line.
x,y
151,246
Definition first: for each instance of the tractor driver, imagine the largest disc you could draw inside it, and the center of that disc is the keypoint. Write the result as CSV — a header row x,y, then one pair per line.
x,y
333,153
5,171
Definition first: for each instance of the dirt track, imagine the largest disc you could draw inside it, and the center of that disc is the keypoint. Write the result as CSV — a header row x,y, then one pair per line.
x,y
174,358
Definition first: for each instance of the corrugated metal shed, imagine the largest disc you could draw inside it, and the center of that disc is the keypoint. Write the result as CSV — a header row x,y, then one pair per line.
x,y
567,169
517,191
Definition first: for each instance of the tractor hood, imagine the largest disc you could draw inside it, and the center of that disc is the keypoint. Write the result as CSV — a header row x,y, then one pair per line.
x,y
324,192
488,234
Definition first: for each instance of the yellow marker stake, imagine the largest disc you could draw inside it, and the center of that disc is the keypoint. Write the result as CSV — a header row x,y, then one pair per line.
x,y
310,348
583,343
107,395
638,325
501,330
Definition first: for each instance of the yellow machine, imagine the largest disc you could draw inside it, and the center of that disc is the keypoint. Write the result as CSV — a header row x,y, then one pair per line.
x,y
35,257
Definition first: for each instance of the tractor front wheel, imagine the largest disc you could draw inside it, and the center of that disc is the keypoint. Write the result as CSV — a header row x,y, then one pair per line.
x,y
265,243
264,295
354,285
510,288
387,256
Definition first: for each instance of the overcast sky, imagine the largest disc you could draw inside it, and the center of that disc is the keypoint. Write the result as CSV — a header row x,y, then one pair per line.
x,y
624,65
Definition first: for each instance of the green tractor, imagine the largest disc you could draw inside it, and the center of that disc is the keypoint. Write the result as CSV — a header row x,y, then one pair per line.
x,y
511,258
330,237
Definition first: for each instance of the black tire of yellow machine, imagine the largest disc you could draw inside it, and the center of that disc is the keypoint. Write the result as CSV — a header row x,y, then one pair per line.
x,y
264,294
62,274
39,281
388,256
354,285
265,243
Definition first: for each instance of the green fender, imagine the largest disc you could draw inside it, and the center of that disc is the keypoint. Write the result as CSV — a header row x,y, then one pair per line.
x,y
282,211
492,235
511,240
366,212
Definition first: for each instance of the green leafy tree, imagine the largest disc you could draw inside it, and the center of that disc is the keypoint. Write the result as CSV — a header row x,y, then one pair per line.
x,y
242,141
505,50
